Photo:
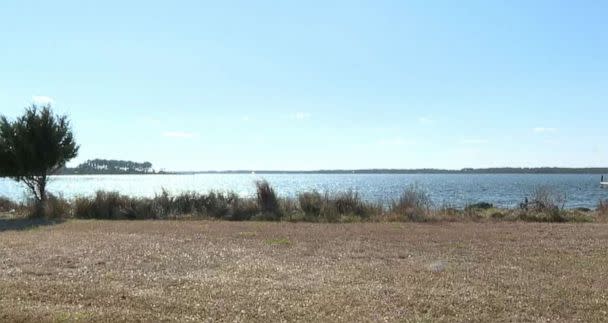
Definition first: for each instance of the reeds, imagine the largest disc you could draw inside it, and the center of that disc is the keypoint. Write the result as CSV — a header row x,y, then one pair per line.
x,y
414,205
544,205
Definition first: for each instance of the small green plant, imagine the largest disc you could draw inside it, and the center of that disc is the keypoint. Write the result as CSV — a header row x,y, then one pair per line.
x,y
479,206
278,241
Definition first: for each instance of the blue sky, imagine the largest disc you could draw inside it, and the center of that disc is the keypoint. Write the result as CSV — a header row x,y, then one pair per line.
x,y
195,85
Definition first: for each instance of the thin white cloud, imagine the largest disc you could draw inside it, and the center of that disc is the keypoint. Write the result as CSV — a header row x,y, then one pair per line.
x,y
179,134
300,116
475,141
425,120
42,100
245,118
544,130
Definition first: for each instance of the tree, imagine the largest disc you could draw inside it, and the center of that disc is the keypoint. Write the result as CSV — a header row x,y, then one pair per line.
x,y
34,146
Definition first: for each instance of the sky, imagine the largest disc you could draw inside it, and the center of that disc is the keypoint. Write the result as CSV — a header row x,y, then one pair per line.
x,y
304,85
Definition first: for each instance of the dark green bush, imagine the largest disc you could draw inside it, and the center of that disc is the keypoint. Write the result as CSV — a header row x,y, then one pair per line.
x,y
480,206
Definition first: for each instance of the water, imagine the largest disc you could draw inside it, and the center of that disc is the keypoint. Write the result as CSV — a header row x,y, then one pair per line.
x,y
506,190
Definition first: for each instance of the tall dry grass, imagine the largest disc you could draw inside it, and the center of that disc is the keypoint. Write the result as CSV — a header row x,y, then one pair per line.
x,y
414,204
544,205
268,203
317,207
602,210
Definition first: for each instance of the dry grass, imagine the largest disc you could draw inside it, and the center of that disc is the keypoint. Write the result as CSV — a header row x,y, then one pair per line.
x,y
414,205
94,270
602,211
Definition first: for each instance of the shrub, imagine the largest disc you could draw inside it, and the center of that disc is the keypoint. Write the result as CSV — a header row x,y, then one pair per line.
x,y
56,207
223,205
267,201
479,206
7,205
544,199
105,205
345,206
545,205
414,204
185,203
348,202
290,207
242,209
311,203
52,207
550,216
83,207
161,205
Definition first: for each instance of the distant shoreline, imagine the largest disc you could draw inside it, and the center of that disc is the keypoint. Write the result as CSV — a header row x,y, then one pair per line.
x,y
506,170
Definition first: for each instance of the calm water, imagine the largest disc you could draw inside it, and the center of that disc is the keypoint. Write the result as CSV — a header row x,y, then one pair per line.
x,y
455,189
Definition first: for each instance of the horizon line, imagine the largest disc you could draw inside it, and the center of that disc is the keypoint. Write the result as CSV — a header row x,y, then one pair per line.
x,y
345,170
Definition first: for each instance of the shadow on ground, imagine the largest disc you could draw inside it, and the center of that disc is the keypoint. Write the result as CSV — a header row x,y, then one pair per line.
x,y
21,224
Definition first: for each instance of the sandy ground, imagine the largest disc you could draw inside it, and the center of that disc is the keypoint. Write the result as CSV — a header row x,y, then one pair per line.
x,y
252,271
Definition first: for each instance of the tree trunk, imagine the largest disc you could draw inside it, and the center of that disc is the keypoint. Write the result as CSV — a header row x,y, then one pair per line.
x,y
42,188
37,185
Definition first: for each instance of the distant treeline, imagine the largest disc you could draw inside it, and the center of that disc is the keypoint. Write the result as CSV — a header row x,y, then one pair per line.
x,y
108,166
104,166
502,170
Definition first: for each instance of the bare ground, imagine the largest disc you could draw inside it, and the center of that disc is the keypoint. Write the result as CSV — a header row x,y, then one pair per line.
x,y
259,271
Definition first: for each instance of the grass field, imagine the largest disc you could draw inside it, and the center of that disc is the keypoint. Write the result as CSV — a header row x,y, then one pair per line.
x,y
261,271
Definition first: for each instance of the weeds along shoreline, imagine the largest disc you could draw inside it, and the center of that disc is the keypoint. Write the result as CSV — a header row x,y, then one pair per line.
x,y
413,205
